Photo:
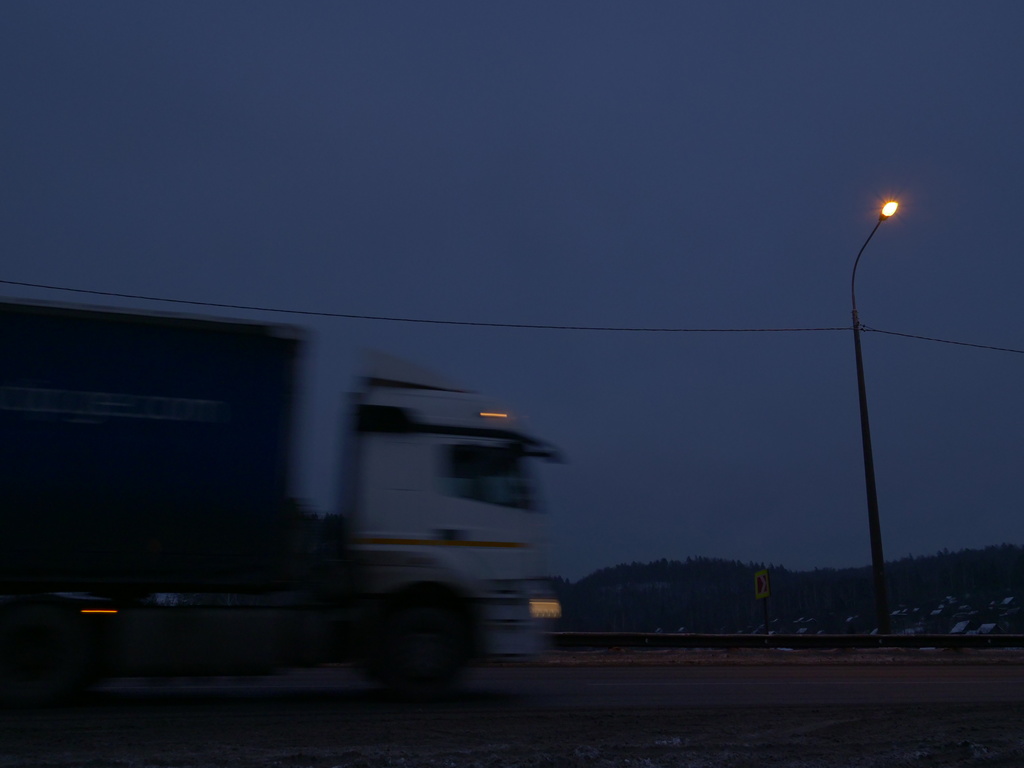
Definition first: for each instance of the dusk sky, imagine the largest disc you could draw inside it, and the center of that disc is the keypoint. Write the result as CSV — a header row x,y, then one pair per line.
x,y
698,168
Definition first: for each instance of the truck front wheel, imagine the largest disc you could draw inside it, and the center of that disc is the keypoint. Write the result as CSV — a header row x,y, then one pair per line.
x,y
44,655
426,650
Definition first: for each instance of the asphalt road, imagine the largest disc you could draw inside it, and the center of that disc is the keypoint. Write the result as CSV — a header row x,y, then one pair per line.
x,y
727,716
627,687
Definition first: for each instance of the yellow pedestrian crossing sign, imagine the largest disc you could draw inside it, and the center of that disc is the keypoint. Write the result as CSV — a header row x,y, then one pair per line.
x,y
762,585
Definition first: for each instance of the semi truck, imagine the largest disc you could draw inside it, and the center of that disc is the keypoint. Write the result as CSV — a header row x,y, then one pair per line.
x,y
149,525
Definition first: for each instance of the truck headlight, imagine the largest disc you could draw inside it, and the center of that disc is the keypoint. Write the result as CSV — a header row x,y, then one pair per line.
x,y
545,608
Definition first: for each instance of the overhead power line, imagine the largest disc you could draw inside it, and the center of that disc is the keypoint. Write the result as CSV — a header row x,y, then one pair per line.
x,y
482,324
393,319
943,341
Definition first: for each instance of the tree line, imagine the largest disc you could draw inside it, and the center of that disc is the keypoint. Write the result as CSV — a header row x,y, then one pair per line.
x,y
935,593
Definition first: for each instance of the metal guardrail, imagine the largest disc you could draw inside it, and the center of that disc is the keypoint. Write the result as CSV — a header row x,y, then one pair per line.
x,y
796,642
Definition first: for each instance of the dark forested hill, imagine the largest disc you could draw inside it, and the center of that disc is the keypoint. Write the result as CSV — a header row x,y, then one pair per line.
x,y
926,594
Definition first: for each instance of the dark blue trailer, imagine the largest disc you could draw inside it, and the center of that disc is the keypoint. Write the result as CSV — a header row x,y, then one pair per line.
x,y
143,453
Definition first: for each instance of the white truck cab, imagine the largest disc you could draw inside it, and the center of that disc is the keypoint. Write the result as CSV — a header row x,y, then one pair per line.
x,y
445,525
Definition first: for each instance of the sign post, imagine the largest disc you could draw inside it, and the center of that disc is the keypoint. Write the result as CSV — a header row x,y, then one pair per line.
x,y
762,591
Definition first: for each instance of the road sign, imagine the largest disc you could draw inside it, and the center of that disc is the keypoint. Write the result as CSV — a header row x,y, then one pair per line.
x,y
762,585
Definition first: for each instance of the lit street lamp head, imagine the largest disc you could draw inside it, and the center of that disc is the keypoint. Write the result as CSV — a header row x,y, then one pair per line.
x,y
887,211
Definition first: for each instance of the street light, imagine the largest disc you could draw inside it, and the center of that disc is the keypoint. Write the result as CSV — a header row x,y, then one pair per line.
x,y
877,558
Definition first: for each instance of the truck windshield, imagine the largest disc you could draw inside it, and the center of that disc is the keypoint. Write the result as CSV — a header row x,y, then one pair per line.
x,y
487,473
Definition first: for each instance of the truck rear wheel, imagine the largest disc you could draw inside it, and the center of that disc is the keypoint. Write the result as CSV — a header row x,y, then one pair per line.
x,y
426,650
45,655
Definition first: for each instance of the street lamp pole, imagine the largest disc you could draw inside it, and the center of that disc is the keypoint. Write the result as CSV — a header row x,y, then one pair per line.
x,y
877,558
